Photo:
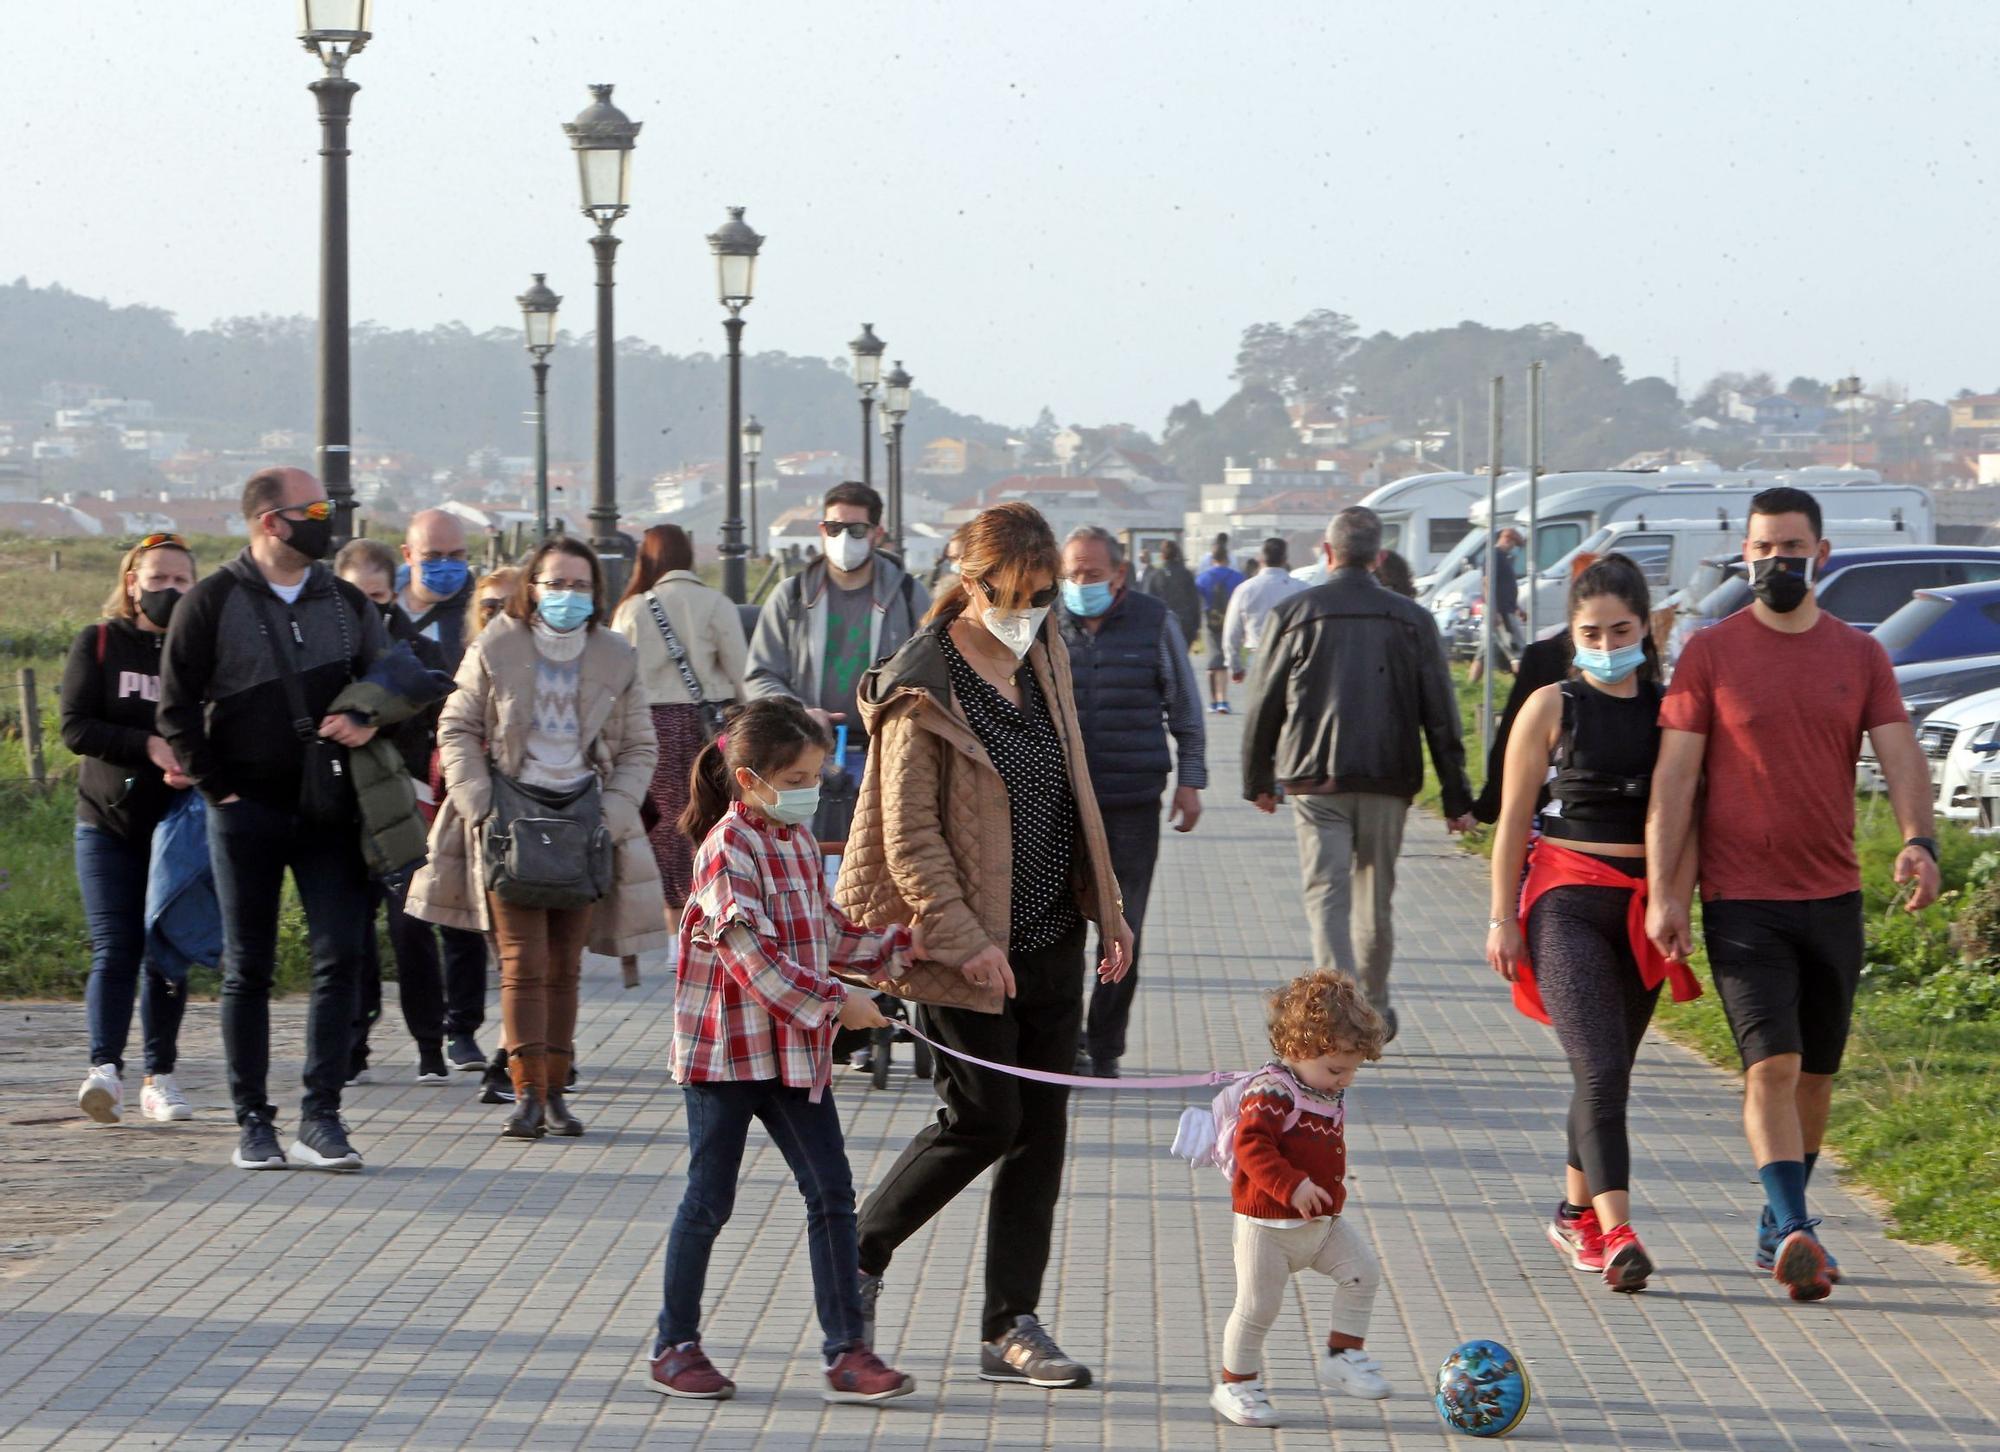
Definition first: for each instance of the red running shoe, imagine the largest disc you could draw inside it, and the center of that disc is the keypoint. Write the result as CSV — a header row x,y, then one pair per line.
x,y
1626,1264
1800,1266
860,1376
683,1371
1579,1241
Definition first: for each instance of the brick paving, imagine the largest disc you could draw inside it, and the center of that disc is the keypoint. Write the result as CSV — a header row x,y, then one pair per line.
x,y
472,1291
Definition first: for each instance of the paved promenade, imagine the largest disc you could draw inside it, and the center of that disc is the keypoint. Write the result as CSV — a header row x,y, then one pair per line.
x,y
472,1291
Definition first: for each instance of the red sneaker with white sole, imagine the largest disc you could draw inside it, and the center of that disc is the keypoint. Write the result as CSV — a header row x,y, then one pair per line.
x,y
859,1376
1579,1241
684,1371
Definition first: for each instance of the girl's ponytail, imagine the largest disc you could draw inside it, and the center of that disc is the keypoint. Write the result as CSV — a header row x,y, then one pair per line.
x,y
708,794
765,736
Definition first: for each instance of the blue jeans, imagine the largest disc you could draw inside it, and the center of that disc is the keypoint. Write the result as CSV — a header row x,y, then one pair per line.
x,y
250,844
808,1135
111,873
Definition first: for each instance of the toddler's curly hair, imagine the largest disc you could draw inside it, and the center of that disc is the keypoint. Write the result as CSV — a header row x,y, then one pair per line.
x,y
1317,1013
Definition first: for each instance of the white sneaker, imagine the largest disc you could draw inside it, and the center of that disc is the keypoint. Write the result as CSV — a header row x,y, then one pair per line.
x,y
102,1096
1356,1374
1244,1403
162,1100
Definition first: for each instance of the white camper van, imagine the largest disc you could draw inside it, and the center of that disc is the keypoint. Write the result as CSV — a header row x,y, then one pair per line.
x,y
1423,518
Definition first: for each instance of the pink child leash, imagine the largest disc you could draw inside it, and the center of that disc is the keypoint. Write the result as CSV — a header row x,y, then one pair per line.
x,y
1211,1079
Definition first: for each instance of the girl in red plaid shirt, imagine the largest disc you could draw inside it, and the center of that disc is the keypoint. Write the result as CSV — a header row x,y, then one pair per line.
x,y
755,1009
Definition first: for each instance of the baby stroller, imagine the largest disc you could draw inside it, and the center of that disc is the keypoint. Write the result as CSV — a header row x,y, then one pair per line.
x,y
870,1050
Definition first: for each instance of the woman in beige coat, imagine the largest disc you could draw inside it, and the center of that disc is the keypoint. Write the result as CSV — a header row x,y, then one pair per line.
x,y
977,821
710,635
547,697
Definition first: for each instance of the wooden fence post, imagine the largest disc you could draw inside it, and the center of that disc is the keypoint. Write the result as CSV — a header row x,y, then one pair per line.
x,y
31,727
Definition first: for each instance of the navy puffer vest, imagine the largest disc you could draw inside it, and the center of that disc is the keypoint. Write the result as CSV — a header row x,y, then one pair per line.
x,y
1121,699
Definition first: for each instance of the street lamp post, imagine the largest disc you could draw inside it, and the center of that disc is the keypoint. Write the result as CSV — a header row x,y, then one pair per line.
x,y
334,30
1849,388
753,445
886,426
895,407
735,246
867,351
538,321
602,138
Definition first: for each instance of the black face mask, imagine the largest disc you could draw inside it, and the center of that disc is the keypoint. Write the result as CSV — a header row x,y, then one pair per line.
x,y
310,537
158,605
1782,582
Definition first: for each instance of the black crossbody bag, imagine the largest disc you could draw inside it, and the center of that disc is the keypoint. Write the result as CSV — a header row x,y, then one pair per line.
x,y
711,712
326,785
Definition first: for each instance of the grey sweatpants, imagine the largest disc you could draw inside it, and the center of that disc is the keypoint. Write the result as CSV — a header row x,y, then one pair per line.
x,y
1267,1257
1348,845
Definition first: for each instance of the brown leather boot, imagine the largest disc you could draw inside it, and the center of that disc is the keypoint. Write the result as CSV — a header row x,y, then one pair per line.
x,y
555,1075
528,1120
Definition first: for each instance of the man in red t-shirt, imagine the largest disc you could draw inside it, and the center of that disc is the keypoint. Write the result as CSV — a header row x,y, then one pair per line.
x,y
1770,706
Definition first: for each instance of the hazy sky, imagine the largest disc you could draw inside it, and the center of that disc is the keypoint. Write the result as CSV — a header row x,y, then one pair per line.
x,y
1079,203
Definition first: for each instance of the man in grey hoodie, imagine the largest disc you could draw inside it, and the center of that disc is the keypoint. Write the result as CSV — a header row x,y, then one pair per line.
x,y
823,627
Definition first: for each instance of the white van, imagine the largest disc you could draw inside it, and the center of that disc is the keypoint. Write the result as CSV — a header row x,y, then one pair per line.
x,y
1423,518
1672,551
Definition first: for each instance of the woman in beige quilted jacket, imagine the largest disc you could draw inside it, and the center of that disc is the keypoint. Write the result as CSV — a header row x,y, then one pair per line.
x,y
549,696
977,820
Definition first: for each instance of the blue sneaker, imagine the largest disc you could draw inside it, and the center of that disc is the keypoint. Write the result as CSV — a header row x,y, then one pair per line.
x,y
1768,1241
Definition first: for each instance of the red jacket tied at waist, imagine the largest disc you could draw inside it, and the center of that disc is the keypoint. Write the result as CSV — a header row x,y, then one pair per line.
x,y
1550,865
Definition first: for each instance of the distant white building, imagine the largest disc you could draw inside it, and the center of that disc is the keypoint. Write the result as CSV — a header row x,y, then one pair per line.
x,y
683,489
1148,507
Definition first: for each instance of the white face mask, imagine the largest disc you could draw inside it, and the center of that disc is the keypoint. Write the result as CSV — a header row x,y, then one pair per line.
x,y
1015,629
845,552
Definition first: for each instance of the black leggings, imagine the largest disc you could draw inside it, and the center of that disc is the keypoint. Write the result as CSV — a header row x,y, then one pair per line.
x,y
1589,980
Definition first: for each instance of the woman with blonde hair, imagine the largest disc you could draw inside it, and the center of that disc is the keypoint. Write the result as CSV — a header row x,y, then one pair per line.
x,y
548,711
127,780
977,823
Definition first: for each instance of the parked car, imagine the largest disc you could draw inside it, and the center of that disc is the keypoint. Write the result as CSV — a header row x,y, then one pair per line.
x,y
1925,687
1958,620
1957,739
1864,587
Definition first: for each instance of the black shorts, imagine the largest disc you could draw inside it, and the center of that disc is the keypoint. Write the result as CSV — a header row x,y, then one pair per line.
x,y
1787,972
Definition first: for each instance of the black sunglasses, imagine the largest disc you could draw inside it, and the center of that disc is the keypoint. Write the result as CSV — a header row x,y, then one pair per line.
x,y
490,608
1040,600
853,528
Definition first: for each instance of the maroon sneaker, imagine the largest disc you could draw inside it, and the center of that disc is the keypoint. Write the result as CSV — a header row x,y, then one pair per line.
x,y
683,1371
1627,1267
1800,1267
860,1376
1579,1241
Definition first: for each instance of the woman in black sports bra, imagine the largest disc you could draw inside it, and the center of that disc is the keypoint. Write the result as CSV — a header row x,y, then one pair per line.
x,y
1583,962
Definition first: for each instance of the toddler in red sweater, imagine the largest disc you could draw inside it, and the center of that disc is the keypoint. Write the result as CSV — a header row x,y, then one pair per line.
x,y
1289,1190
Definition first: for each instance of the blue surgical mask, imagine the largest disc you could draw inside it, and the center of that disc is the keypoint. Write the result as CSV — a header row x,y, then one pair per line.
x,y
793,806
1611,666
565,609
443,578
1092,599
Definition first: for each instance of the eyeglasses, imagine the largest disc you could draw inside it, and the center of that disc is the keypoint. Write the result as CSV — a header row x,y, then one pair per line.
x,y
157,541
852,528
491,606
434,557
318,509
1040,600
581,586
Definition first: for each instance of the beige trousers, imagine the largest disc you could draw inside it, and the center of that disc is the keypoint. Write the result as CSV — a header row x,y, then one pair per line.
x,y
1266,1260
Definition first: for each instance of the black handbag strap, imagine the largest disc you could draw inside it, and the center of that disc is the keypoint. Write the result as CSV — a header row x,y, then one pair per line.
x,y
303,724
676,650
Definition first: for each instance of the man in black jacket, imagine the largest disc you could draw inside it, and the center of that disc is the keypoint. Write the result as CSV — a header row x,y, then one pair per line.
x,y
1350,681
226,709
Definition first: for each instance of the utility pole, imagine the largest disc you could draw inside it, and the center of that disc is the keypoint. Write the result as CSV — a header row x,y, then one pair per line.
x,y
1492,567
1534,487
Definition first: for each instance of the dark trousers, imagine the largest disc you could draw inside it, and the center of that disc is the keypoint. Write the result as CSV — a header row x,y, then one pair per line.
x,y
440,997
111,874
1134,836
808,1136
989,1119
250,845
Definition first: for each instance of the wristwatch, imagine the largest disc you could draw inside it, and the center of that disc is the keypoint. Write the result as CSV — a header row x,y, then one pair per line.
x,y
1492,923
1929,844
